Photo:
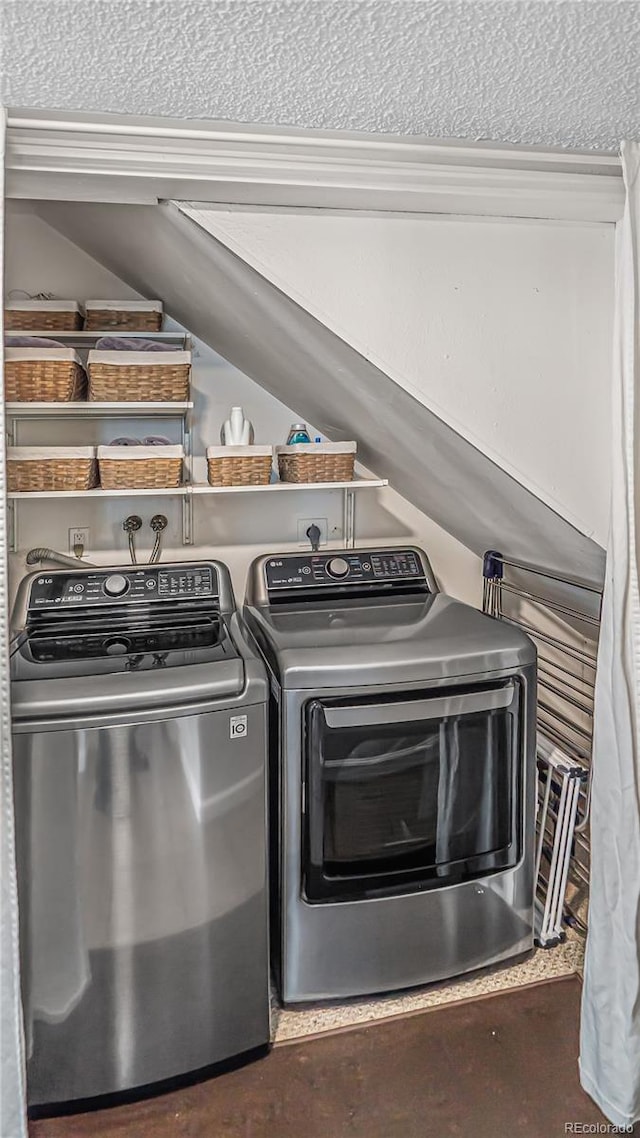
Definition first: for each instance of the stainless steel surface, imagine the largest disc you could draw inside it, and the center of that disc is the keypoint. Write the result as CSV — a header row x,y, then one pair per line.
x,y
388,657
406,711
117,693
412,640
141,856
355,948
141,861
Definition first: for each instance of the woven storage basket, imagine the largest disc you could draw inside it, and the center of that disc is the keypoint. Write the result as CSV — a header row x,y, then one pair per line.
x,y
125,315
316,462
30,469
140,468
42,316
43,375
240,465
139,376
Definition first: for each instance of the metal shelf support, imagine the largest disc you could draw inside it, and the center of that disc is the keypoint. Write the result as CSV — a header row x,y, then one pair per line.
x,y
349,518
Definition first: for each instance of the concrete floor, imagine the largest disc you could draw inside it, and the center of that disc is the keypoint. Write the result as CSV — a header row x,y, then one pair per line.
x,y
501,1065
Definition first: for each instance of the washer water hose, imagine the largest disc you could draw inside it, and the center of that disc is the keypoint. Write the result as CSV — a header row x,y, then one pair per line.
x,y
158,524
35,556
131,525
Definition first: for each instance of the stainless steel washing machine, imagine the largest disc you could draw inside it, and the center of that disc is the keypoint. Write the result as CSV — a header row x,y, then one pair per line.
x,y
139,740
402,772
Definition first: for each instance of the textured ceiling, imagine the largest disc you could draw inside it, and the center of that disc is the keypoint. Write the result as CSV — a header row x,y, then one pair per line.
x,y
552,72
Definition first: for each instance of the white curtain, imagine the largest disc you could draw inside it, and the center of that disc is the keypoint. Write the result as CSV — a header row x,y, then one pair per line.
x,y
610,1028
13,1122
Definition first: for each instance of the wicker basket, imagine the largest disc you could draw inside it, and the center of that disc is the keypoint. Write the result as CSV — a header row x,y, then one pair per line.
x,y
124,315
43,375
33,469
139,376
42,316
316,462
239,465
140,468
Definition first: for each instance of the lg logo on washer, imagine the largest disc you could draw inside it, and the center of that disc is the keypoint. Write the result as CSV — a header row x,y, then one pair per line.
x,y
238,727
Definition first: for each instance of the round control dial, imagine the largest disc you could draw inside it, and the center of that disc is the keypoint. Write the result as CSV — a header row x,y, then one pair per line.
x,y
337,567
116,647
115,585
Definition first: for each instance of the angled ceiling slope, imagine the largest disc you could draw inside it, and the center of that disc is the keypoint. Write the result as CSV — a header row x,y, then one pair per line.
x,y
260,330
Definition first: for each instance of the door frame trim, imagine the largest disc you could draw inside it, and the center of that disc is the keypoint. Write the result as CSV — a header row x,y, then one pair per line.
x,y
55,155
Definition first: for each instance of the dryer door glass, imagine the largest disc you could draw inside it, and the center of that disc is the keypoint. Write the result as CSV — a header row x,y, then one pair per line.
x,y
413,793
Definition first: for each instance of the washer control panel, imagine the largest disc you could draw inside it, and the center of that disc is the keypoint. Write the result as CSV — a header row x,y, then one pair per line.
x,y
347,567
138,585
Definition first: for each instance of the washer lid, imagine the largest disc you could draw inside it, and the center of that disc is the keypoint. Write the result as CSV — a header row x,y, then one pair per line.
x,y
405,641
120,692
86,668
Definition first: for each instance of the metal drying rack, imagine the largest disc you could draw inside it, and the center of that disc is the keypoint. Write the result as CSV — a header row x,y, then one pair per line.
x,y
564,623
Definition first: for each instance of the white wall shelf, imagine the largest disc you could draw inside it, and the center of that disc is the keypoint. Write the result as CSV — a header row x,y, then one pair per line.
x,y
355,484
86,409
37,495
184,491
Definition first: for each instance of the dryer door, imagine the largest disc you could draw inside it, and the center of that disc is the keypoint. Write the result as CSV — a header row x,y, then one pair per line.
x,y
412,792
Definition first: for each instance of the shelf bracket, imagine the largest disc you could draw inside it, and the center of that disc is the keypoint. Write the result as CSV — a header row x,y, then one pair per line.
x,y
349,519
186,437
12,526
187,516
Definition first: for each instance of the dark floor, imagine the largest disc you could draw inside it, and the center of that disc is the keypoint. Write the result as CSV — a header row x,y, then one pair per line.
x,y
491,1068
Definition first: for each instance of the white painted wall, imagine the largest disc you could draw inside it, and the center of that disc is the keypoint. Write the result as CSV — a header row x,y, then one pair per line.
x,y
502,328
234,528
38,259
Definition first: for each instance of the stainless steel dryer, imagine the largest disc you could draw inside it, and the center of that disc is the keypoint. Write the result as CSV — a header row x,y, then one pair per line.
x,y
139,739
402,774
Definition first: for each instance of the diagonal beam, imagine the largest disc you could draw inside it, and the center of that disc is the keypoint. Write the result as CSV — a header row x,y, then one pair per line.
x,y
268,336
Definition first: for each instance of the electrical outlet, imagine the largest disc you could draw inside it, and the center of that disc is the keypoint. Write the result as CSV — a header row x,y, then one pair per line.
x,y
303,526
78,537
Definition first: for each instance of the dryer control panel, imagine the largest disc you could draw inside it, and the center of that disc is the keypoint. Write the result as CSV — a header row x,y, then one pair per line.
x,y
350,568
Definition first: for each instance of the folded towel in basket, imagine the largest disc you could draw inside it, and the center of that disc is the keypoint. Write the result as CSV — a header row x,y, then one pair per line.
x,y
132,344
31,342
148,441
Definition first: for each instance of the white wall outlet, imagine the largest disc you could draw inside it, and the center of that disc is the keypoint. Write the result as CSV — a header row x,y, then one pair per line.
x,y
303,526
78,536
